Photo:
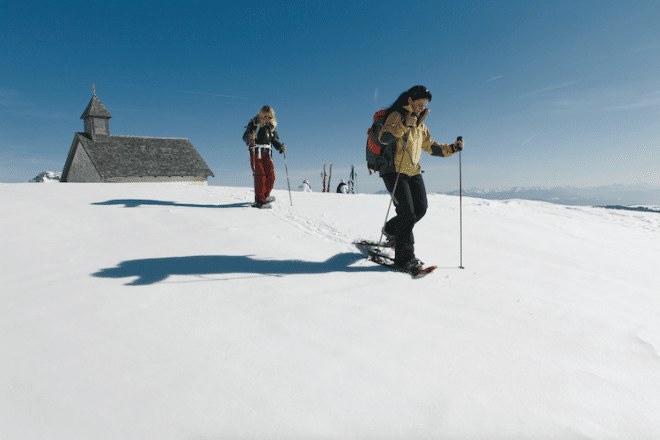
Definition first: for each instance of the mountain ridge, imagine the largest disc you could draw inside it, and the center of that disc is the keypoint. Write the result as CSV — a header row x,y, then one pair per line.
x,y
616,194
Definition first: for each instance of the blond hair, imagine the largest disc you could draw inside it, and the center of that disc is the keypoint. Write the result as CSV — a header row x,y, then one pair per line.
x,y
266,110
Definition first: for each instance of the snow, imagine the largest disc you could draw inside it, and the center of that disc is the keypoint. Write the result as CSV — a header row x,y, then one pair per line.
x,y
161,311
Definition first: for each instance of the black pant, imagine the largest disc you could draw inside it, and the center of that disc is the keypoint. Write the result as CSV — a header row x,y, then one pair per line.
x,y
411,203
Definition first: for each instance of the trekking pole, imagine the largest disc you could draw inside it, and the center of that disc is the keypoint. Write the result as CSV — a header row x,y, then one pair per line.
x,y
396,182
252,156
387,214
286,168
460,197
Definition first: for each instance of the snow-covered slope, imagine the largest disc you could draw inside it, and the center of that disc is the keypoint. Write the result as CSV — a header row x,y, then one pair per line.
x,y
156,311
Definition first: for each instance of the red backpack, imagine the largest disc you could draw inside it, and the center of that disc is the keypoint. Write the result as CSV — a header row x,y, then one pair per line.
x,y
375,159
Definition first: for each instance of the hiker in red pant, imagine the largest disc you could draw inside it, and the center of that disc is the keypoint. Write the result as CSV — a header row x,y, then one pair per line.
x,y
260,136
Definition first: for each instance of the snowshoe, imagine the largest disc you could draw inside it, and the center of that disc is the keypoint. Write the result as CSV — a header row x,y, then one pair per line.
x,y
375,244
379,255
261,205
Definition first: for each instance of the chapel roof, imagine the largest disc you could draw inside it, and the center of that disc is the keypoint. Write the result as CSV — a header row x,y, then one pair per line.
x,y
96,109
135,156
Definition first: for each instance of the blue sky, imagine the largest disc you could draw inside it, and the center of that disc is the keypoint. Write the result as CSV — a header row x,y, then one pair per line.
x,y
550,93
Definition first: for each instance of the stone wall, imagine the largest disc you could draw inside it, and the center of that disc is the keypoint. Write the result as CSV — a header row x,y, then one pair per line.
x,y
82,169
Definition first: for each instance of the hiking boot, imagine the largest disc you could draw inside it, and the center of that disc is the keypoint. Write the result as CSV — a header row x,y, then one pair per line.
x,y
413,267
390,239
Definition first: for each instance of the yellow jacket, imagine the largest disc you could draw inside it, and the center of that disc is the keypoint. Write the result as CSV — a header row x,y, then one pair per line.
x,y
407,162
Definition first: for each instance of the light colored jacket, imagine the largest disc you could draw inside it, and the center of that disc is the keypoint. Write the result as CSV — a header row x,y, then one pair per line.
x,y
407,162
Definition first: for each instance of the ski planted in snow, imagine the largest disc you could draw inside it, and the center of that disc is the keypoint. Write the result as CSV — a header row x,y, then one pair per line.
x,y
375,252
323,177
351,182
329,177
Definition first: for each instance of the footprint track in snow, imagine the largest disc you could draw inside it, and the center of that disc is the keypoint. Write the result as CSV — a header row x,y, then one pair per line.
x,y
314,228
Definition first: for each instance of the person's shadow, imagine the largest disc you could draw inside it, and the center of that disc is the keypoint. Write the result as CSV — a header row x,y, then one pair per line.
x,y
134,203
154,270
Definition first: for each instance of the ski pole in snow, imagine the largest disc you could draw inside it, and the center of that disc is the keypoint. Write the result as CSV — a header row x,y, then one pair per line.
x,y
460,197
286,168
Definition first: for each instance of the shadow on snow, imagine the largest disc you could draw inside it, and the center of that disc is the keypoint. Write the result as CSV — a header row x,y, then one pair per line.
x,y
134,203
154,270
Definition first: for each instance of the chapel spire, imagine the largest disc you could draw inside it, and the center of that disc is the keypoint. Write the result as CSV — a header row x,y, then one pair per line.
x,y
96,117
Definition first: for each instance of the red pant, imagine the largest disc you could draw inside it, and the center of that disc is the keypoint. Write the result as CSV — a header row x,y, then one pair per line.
x,y
264,173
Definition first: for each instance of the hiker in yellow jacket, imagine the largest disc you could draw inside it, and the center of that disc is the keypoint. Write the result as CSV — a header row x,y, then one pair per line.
x,y
406,136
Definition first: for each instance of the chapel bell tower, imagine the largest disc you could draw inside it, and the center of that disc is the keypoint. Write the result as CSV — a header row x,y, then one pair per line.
x,y
96,117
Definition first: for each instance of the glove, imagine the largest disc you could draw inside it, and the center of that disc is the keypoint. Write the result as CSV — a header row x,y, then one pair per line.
x,y
411,120
458,145
422,116
283,149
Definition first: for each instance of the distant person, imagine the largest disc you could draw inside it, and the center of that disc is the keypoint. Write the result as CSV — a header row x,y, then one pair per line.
x,y
260,136
342,188
305,186
406,137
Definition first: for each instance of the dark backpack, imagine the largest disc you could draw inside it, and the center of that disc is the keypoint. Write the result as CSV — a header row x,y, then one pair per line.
x,y
375,158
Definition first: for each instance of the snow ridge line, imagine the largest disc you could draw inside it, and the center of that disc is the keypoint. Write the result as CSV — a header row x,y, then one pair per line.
x,y
645,336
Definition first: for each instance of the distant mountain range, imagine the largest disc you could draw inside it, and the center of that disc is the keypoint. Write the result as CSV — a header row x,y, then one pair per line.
x,y
47,177
619,195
